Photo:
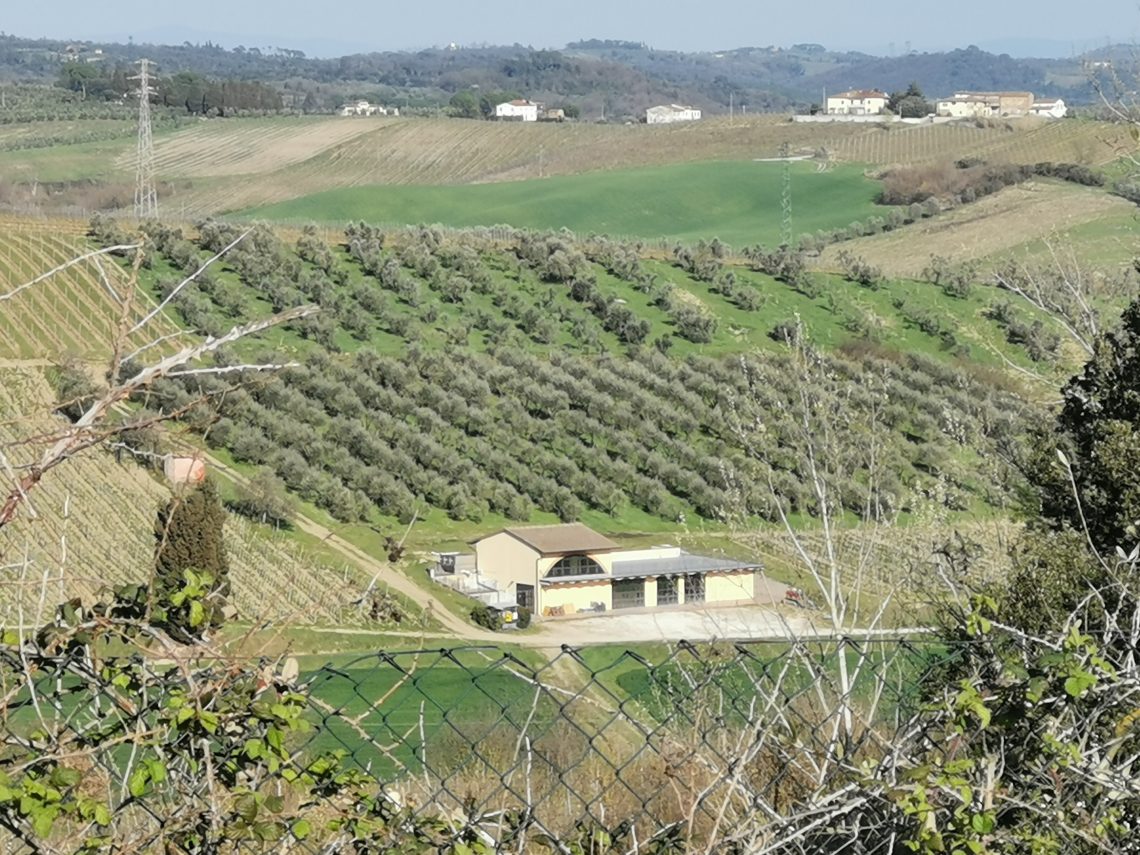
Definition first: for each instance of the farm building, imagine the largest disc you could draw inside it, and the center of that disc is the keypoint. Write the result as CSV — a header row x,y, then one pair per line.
x,y
184,470
667,114
519,110
565,569
974,105
1050,108
858,102
364,108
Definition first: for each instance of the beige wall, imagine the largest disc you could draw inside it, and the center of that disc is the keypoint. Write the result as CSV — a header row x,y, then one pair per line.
x,y
1017,103
651,592
505,559
580,595
728,587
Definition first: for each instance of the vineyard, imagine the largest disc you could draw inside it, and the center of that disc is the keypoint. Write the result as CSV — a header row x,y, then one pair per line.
x,y
454,379
98,514
217,149
1089,143
77,311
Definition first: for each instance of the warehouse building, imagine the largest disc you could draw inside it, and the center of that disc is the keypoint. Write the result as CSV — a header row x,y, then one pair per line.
x,y
566,569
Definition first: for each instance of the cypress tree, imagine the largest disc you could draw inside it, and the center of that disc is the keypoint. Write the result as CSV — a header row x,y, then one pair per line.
x,y
188,535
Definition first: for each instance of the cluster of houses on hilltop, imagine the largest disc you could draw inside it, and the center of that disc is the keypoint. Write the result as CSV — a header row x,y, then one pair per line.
x,y
364,108
961,105
522,110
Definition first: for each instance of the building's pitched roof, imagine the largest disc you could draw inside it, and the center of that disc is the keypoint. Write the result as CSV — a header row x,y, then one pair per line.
x,y
669,108
860,94
562,539
969,95
679,565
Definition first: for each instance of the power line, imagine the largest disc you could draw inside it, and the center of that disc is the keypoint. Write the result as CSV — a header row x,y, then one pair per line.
x,y
786,198
146,194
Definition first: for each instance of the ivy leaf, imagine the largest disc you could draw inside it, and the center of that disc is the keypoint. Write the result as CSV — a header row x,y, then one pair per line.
x,y
43,821
982,823
137,784
197,613
302,828
1076,685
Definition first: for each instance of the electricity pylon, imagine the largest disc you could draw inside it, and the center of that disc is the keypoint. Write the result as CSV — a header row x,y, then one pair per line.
x,y
146,194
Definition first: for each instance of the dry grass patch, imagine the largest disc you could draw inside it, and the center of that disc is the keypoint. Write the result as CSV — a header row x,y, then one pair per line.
x,y
989,227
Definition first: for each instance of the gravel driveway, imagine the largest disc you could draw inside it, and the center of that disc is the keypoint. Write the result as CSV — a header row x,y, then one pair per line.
x,y
698,624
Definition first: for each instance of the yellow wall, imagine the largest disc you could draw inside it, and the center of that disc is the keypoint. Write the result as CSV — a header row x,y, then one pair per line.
x,y
579,595
651,592
728,587
505,559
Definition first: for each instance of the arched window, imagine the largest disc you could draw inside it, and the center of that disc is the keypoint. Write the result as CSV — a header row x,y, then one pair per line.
x,y
576,565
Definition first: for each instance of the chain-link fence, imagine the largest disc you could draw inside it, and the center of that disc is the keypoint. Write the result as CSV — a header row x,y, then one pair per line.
x,y
725,747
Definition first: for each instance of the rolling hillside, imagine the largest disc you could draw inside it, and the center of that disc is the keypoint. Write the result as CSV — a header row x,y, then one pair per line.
x,y
533,329
215,165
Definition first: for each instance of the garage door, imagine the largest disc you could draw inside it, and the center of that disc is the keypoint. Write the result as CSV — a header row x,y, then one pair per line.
x,y
629,593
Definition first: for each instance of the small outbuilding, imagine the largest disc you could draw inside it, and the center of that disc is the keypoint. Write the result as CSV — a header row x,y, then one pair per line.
x,y
181,471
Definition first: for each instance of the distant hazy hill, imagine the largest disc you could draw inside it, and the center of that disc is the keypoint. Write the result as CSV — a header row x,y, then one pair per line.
x,y
614,79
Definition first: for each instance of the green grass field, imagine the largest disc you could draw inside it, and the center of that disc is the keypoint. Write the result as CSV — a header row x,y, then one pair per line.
x,y
739,202
385,708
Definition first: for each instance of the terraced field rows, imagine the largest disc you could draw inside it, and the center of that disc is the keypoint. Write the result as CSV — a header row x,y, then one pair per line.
x,y
223,148
74,311
94,528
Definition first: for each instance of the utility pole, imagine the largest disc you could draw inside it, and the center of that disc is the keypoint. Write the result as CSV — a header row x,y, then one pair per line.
x,y
146,194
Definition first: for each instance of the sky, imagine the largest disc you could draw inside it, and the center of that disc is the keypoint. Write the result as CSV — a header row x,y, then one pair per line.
x,y
330,28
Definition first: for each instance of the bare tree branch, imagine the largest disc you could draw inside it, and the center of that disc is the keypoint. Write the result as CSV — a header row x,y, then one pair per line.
x,y
68,265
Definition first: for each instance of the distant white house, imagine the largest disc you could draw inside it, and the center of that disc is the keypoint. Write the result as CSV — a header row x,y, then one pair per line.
x,y
364,108
519,110
1052,108
666,114
858,102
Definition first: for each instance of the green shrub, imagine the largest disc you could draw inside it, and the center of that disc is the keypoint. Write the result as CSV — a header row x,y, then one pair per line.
x,y
487,617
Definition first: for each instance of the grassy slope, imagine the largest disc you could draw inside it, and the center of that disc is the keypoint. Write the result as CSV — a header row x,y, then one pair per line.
x,y
740,202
